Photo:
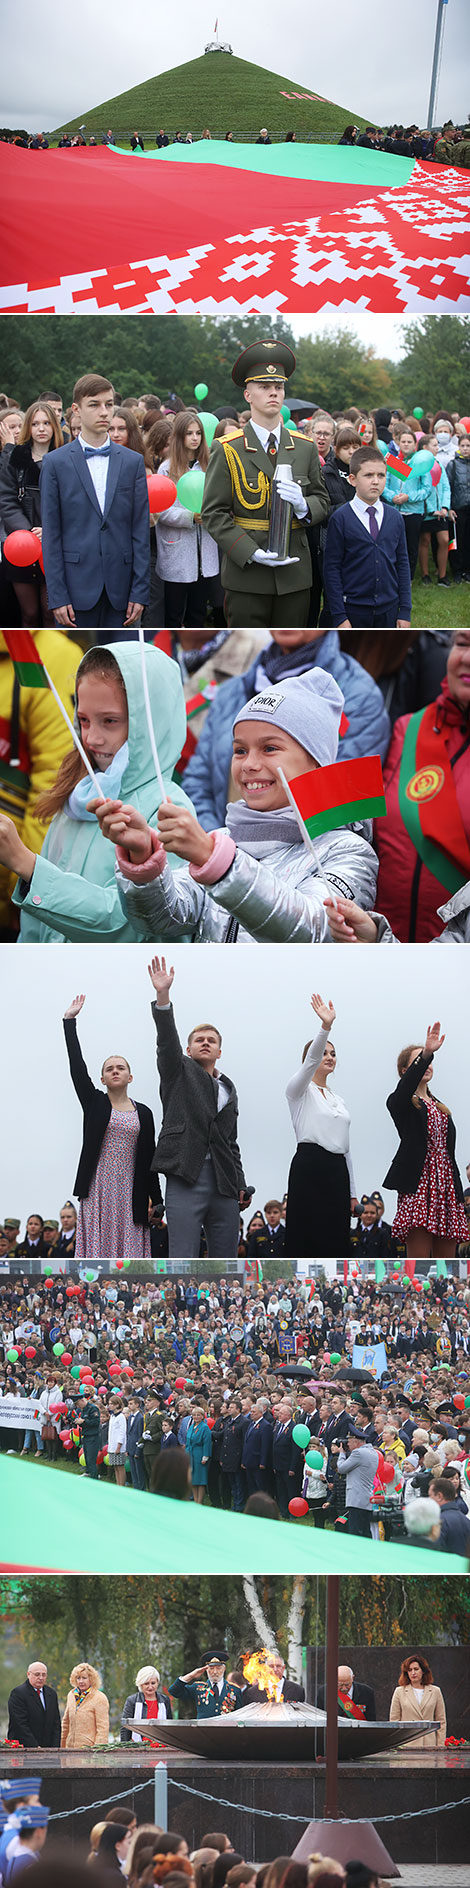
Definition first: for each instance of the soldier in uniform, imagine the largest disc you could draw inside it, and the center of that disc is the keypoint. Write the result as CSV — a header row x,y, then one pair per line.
x,y
259,589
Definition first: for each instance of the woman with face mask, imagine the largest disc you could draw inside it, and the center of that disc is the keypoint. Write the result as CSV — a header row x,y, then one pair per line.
x,y
321,1180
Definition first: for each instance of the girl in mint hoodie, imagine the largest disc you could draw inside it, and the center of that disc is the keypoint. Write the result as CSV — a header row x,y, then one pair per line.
x,y
410,494
437,520
69,892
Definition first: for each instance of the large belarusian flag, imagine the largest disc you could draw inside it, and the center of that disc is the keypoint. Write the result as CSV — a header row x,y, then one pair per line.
x,y
336,796
26,659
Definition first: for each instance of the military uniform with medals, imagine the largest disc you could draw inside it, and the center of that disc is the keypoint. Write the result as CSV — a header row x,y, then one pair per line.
x,y
236,507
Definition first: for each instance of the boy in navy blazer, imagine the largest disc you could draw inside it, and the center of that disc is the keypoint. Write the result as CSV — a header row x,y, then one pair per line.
x,y
95,521
366,571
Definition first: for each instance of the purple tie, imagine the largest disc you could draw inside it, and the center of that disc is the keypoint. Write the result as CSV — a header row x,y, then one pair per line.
x,y
374,529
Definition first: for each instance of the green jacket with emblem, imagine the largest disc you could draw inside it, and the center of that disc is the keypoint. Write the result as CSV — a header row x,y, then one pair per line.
x,y
237,505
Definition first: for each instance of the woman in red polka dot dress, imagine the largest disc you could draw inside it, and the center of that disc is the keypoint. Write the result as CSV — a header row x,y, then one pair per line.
x,y
430,1214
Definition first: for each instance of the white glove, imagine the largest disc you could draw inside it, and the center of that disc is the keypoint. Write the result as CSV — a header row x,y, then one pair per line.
x,y
270,558
293,493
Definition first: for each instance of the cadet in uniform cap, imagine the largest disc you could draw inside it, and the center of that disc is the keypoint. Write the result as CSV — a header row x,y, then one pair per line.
x,y
261,591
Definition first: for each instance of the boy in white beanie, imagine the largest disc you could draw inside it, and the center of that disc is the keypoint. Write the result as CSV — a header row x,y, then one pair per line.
x,y
254,878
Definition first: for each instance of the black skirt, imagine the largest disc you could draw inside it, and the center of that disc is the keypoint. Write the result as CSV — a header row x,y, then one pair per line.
x,y
318,1214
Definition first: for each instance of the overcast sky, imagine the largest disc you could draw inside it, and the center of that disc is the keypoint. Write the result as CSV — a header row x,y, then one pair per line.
x,y
58,61
259,997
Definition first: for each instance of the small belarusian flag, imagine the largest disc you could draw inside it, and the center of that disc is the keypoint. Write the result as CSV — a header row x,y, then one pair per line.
x,y
397,466
337,795
29,669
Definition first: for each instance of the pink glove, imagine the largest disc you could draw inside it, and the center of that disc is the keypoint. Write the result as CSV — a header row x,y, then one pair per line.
x,y
222,856
149,868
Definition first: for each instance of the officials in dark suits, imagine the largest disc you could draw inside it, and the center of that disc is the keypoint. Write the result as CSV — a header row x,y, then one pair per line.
x,y
362,1696
286,1691
256,1455
95,520
34,1716
135,1430
287,1459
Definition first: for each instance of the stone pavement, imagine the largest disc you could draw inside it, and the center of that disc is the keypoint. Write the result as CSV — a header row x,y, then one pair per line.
x,y
423,1875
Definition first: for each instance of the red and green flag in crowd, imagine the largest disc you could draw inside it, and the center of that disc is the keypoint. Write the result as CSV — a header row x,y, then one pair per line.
x,y
29,669
337,795
397,466
379,1269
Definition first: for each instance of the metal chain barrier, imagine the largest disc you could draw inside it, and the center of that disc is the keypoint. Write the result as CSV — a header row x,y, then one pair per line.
x,y
349,1822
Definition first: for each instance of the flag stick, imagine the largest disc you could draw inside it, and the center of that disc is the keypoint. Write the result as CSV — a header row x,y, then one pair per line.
x,y
75,736
148,712
308,842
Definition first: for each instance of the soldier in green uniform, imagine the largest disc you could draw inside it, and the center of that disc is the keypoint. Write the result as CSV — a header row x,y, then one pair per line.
x,y
261,591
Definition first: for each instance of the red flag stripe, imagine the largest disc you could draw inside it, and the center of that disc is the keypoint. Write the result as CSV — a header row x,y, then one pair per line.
x,y
346,780
21,646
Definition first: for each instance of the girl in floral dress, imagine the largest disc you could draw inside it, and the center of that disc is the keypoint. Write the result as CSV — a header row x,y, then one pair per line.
x,y
430,1214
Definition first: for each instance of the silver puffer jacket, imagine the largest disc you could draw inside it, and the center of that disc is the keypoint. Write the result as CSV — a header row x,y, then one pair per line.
x,y
277,899
456,913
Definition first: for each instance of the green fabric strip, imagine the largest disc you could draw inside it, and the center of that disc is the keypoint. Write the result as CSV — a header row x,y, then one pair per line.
x,y
30,675
436,861
344,815
321,163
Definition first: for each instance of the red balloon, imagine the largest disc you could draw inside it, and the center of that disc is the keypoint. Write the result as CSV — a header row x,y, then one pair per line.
x,y
180,1383
387,1473
119,1264
114,1370
298,1506
458,1400
48,1282
65,1436
417,1284
22,548
30,1352
85,1371
66,1358
41,561
210,1421
436,473
466,423
102,1389
161,491
127,1370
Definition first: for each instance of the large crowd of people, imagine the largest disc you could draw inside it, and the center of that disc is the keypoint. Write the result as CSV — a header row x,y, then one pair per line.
x,y
369,495
447,144
186,1389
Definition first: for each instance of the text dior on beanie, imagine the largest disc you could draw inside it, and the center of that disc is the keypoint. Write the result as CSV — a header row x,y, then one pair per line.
x,y
309,708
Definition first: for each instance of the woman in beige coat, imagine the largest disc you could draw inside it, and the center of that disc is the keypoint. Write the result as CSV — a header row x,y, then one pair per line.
x,y
417,1697
86,1716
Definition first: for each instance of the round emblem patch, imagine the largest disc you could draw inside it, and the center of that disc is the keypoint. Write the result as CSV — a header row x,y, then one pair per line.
x,y
425,784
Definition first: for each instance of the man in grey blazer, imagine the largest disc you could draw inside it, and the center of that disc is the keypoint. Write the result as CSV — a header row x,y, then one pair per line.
x,y
197,1147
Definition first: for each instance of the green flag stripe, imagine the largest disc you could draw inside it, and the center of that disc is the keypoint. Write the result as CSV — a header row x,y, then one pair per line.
x,y
317,823
31,675
436,861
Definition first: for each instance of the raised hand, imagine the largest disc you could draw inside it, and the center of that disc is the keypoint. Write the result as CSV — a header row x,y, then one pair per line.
x,y
325,1012
434,1040
75,1006
161,978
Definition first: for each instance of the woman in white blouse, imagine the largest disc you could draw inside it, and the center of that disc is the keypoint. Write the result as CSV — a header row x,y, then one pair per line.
x,y
117,1440
321,1180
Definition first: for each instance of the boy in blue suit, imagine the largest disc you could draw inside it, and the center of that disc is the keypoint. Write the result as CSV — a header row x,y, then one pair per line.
x,y
366,571
95,521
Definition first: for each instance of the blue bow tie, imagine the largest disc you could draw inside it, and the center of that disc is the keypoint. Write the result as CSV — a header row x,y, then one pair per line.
x,y
98,452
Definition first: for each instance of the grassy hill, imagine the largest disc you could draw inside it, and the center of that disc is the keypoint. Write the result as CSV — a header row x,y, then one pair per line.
x,y
217,92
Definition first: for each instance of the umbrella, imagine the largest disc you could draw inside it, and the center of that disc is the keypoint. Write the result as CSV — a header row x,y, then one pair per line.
x,y
351,1375
304,1373
303,407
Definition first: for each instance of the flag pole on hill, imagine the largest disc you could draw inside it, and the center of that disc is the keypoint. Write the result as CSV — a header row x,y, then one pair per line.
x,y
31,672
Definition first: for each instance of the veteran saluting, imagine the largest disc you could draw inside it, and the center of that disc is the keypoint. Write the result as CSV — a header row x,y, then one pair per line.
x,y
262,590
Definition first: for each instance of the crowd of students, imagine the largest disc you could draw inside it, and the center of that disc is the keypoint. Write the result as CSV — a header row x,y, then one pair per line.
x,y
167,566
186,1389
142,1853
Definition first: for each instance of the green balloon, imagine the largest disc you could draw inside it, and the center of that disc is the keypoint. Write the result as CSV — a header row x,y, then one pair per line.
x,y
209,422
291,426
426,1284
12,1356
313,1459
190,489
201,391
58,1350
335,1357
285,413
467,1402
126,1264
75,1370
91,1276
301,1435
418,412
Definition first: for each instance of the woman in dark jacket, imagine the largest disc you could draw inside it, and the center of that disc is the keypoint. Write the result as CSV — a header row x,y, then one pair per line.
x,y
430,1214
20,507
147,1701
114,1179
